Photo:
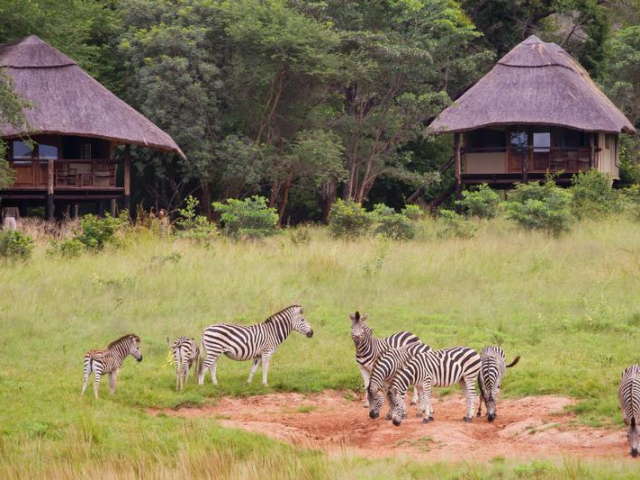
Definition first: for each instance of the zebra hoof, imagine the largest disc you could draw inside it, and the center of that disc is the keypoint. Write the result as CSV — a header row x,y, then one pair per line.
x,y
467,419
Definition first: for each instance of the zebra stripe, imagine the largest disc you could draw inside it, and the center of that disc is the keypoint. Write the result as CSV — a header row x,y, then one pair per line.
x,y
384,370
369,348
255,342
109,361
437,368
629,399
185,354
491,374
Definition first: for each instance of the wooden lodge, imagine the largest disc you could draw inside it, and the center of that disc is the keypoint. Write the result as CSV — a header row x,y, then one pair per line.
x,y
66,155
536,111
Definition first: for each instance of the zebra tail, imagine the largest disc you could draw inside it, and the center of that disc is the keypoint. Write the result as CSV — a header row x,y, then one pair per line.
x,y
515,360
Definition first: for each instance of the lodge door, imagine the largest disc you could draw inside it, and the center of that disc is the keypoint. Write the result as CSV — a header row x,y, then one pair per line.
x,y
518,143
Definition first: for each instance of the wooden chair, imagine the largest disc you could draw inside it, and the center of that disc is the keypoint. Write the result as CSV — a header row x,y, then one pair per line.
x,y
557,160
66,176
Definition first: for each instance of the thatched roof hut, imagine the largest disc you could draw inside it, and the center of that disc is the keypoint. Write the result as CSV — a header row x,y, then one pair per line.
x,y
68,101
536,83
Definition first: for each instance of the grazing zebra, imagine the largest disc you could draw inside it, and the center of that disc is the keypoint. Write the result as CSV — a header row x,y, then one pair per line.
x,y
185,354
256,342
109,361
369,348
437,368
629,398
383,372
491,374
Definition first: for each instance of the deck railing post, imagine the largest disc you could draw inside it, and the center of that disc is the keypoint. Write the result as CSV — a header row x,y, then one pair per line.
x,y
127,178
458,165
523,164
50,213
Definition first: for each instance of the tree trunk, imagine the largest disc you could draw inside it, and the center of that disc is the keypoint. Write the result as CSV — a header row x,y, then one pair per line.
x,y
328,198
206,200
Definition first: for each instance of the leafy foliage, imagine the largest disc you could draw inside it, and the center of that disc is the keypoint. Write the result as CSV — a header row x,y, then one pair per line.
x,y
392,224
250,218
538,206
93,235
15,245
482,202
195,227
592,195
348,219
455,225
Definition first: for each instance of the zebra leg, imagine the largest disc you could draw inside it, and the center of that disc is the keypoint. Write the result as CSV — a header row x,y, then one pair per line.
x,y
414,399
426,399
265,367
87,372
112,381
96,382
482,398
469,390
254,368
365,378
391,404
209,364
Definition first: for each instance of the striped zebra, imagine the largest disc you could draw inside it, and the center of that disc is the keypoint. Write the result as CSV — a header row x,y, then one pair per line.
x,y
369,348
109,361
383,372
256,342
491,374
185,354
629,398
436,368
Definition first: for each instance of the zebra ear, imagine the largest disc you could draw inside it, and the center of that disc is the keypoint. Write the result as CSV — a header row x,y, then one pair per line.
x,y
354,316
364,317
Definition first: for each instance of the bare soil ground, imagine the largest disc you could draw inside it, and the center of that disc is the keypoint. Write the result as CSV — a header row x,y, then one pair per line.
x,y
333,421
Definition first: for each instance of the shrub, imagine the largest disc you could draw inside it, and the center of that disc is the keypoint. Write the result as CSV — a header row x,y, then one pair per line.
x,y
593,196
454,225
68,247
349,219
482,202
96,232
412,212
300,236
194,227
250,218
15,245
391,224
538,206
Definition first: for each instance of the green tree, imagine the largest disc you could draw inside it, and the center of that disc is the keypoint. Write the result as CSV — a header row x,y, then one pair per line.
x,y
11,113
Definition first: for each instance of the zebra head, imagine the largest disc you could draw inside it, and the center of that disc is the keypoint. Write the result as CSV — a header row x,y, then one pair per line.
x,y
633,435
359,328
134,347
376,400
299,323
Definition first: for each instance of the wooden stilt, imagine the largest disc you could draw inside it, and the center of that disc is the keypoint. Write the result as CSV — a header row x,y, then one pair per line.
x,y
458,164
591,150
50,213
127,178
113,207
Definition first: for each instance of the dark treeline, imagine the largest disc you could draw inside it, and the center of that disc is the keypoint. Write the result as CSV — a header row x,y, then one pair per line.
x,y
308,101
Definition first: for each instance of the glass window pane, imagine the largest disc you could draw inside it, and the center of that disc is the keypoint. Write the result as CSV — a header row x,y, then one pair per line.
x,y
22,151
519,139
541,141
47,151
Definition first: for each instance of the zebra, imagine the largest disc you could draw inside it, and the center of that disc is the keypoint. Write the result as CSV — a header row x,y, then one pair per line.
x,y
369,347
629,399
436,368
185,354
255,342
491,374
109,361
383,372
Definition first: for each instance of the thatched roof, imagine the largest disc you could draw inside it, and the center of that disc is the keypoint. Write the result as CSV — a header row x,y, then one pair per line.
x,y
67,101
536,83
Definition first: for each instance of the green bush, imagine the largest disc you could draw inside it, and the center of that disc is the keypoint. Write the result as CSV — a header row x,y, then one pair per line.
x,y
482,202
538,206
412,212
96,232
392,224
69,247
592,195
348,219
454,225
15,245
250,218
194,227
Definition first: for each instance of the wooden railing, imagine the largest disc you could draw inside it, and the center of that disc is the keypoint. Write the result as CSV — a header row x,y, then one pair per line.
x,y
67,173
536,159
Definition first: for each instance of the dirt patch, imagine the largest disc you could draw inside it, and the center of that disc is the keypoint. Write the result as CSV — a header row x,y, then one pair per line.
x,y
334,422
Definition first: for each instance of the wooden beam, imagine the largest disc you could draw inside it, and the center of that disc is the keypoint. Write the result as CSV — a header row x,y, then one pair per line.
x,y
591,150
127,178
50,213
458,164
113,207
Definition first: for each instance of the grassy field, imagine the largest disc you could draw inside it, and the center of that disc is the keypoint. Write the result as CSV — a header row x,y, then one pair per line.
x,y
569,306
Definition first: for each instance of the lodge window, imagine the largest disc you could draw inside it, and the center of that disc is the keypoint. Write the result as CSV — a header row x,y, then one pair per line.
x,y
541,142
518,139
47,152
485,140
22,152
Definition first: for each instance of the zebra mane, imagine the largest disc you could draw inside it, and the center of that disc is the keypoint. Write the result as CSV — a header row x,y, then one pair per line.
x,y
273,317
124,338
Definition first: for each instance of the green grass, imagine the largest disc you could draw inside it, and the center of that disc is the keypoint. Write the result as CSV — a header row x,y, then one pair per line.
x,y
569,306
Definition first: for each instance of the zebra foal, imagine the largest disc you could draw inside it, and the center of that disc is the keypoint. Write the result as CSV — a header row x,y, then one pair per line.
x,y
369,348
185,354
255,342
109,361
491,374
629,399
388,364
436,368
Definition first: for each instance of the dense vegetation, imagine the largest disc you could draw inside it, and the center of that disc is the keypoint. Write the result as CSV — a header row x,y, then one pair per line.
x,y
307,101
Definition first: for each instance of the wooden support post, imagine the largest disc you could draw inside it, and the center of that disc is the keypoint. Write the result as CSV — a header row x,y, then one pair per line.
x,y
100,208
458,165
591,150
50,213
76,210
523,161
113,207
127,178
